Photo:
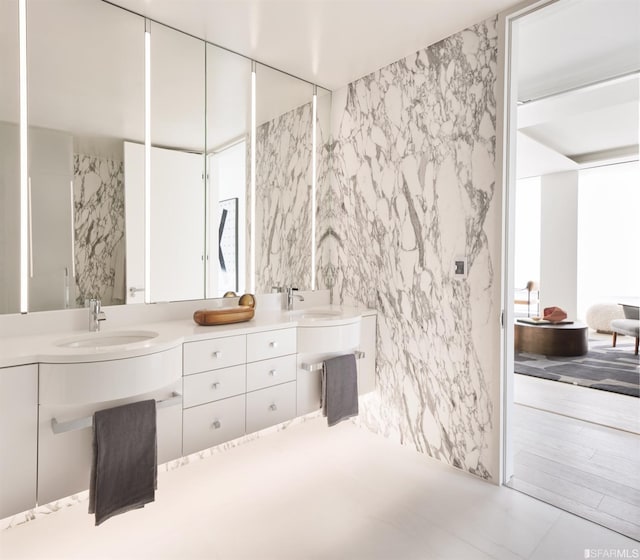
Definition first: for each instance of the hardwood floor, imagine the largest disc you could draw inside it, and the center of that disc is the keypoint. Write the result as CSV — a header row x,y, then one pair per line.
x,y
599,407
579,449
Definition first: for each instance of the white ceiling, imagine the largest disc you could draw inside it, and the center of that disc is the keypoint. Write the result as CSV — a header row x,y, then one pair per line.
x,y
327,42
573,43
578,64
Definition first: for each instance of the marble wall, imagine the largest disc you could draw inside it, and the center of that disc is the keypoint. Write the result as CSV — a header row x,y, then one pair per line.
x,y
283,201
98,205
413,187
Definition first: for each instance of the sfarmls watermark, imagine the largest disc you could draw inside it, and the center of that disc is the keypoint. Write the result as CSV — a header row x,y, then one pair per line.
x,y
612,553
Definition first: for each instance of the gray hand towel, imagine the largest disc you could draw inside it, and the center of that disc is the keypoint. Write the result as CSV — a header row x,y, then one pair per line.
x,y
124,469
339,389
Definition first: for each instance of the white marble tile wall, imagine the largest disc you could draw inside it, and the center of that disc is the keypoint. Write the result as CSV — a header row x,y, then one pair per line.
x,y
283,201
98,205
414,187
325,196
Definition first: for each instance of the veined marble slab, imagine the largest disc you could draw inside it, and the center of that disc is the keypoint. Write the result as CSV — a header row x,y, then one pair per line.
x,y
98,206
283,201
414,171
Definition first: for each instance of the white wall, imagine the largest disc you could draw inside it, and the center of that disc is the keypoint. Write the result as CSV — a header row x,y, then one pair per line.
x,y
559,242
608,234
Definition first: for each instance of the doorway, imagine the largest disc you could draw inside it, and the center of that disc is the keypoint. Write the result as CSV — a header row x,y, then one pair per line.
x,y
568,82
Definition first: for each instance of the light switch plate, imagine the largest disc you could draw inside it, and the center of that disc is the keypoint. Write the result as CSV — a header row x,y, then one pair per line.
x,y
460,267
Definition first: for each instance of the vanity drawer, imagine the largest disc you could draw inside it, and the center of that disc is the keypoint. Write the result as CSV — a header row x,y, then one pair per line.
x,y
212,424
214,385
271,372
271,406
216,353
270,344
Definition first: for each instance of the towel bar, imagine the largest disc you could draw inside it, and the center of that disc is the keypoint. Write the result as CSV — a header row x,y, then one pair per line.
x,y
317,366
87,421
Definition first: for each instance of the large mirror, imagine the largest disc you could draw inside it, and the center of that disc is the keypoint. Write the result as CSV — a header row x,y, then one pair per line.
x,y
87,164
85,70
9,159
324,242
228,137
283,180
177,190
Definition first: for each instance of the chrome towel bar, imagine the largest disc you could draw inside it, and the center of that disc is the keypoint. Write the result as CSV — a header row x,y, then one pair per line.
x,y
317,366
87,421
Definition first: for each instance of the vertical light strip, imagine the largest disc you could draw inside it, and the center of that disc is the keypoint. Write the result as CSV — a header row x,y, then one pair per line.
x,y
252,264
147,162
314,113
24,169
73,231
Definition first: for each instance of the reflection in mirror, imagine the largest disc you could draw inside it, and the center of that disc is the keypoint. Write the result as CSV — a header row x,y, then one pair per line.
x,y
85,97
177,209
325,271
9,159
283,180
228,134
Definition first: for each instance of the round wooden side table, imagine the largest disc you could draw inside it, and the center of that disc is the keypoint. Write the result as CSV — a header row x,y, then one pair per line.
x,y
552,340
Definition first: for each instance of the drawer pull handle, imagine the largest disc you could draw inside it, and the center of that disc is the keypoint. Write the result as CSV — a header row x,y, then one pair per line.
x,y
273,344
217,354
215,385
273,408
273,373
216,424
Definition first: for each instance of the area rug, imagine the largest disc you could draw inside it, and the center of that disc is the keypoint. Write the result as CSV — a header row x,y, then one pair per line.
x,y
603,367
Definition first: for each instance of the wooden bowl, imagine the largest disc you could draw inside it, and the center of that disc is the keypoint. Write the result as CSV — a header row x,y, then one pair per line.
x,y
227,315
223,316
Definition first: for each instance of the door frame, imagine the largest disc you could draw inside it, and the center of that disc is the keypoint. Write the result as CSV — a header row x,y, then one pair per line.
x,y
506,128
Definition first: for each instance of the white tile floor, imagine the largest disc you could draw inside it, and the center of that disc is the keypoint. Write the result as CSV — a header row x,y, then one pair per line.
x,y
317,493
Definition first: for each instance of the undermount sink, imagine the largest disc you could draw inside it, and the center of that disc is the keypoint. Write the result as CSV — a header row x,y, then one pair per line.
x,y
106,339
326,316
321,314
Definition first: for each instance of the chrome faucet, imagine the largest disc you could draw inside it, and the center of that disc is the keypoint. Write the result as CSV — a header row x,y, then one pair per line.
x,y
95,315
290,296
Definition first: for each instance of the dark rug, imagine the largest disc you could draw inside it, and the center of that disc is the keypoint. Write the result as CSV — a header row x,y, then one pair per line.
x,y
603,367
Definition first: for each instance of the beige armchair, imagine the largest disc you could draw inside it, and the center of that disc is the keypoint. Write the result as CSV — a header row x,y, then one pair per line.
x,y
629,326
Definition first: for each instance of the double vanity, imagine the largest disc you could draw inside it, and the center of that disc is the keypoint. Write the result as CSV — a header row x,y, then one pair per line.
x,y
211,385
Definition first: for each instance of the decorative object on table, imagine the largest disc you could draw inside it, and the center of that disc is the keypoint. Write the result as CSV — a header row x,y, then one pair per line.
x,y
629,326
228,244
554,314
614,370
244,311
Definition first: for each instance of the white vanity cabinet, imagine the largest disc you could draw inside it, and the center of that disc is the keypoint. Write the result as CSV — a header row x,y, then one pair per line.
x,y
214,387
18,438
367,364
237,385
272,371
71,392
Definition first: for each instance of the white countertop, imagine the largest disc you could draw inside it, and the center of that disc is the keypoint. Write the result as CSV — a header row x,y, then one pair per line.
x,y
44,348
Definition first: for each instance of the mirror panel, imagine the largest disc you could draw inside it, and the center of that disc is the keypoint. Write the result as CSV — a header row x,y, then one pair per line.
x,y
9,159
86,163
177,204
283,180
228,136
85,97
325,212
